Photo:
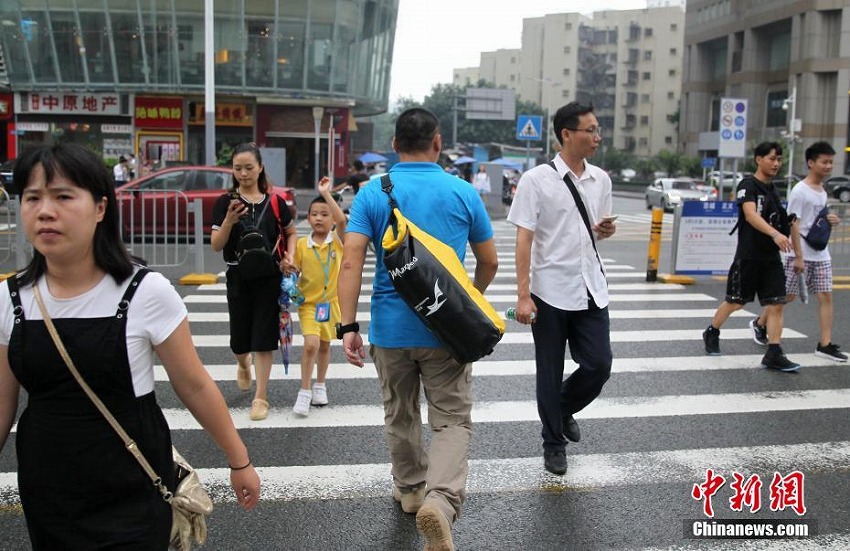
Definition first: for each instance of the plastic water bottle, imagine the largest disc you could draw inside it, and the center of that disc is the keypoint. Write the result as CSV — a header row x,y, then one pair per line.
x,y
804,291
510,314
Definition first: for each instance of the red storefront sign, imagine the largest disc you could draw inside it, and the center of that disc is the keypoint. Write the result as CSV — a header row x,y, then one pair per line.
x,y
6,107
158,112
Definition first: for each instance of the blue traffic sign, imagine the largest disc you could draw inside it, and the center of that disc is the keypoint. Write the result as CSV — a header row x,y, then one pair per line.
x,y
529,127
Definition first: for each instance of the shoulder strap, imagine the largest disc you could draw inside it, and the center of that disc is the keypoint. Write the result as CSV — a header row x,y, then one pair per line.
x,y
124,303
15,295
581,209
387,187
275,201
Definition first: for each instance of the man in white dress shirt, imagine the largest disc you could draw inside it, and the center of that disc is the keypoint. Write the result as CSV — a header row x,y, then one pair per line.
x,y
561,285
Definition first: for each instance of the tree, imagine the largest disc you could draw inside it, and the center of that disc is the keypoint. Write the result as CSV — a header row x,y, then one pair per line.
x,y
668,161
440,102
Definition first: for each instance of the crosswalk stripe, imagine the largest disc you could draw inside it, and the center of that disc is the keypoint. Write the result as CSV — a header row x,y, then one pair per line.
x,y
660,335
223,317
586,471
526,410
512,287
509,368
511,299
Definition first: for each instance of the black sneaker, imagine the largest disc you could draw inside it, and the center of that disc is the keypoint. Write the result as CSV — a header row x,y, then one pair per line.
x,y
555,462
571,430
779,362
711,338
759,332
831,352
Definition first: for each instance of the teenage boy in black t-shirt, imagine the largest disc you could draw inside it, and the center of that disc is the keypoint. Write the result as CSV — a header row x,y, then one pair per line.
x,y
764,229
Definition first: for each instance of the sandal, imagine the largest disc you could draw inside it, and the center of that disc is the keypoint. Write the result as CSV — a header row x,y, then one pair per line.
x,y
243,377
259,409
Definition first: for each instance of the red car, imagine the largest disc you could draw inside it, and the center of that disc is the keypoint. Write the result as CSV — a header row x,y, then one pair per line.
x,y
157,205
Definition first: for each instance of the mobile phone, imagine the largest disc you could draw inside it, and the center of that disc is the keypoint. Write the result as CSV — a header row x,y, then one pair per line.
x,y
610,217
234,194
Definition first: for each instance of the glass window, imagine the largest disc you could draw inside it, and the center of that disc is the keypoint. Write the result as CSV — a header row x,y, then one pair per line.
x,y
127,36
39,43
259,60
318,77
170,180
14,40
96,43
290,55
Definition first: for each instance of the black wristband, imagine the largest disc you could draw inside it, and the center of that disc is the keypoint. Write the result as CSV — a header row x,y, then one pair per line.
x,y
347,328
245,466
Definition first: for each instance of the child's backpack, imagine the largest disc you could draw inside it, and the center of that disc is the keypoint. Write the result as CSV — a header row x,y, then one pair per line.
x,y
255,258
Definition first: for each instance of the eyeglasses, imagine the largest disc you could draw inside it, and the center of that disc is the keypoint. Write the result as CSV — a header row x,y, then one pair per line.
x,y
593,131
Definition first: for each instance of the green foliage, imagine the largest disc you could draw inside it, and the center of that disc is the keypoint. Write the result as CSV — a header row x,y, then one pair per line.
x,y
668,161
614,160
440,102
224,155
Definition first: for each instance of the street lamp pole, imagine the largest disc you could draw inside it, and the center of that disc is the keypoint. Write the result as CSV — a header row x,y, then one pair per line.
x,y
792,135
318,113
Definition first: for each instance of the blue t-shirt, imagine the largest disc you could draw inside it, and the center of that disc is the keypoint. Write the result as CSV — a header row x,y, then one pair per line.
x,y
443,205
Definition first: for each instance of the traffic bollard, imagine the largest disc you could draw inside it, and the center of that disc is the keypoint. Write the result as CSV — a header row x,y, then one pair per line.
x,y
654,244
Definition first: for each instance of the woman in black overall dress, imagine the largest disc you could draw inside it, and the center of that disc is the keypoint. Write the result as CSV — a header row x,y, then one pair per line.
x,y
79,487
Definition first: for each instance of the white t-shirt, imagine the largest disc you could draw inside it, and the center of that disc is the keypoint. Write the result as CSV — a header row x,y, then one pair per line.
x,y
481,182
155,312
563,262
806,203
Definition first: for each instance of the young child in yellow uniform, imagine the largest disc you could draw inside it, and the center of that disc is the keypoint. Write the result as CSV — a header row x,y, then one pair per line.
x,y
318,257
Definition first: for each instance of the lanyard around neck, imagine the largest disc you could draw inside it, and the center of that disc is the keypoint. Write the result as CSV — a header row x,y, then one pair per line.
x,y
326,267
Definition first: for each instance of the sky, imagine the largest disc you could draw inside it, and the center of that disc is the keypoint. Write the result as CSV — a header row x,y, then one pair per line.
x,y
434,37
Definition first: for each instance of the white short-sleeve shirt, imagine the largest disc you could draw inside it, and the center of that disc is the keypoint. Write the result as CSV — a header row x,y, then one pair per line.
x,y
564,265
806,203
155,312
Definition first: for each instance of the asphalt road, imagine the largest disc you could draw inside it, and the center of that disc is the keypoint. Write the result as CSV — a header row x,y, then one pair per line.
x,y
667,415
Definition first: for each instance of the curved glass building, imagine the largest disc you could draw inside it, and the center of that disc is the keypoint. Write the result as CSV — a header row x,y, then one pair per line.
x,y
129,74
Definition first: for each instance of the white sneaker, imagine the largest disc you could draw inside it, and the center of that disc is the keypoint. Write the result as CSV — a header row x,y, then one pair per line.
x,y
302,402
320,394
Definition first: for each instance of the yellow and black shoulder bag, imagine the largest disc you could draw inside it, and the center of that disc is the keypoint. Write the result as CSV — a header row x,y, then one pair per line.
x,y
430,278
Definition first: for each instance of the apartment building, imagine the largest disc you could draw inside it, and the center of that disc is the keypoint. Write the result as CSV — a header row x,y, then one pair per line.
x,y
762,50
628,63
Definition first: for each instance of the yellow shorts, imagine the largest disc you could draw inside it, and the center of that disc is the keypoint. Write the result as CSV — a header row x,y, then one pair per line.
x,y
325,330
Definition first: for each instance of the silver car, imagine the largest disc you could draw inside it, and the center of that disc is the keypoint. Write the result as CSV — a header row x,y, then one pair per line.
x,y
669,192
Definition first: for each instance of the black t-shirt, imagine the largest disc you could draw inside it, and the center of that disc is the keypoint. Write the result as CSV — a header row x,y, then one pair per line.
x,y
267,225
355,179
753,244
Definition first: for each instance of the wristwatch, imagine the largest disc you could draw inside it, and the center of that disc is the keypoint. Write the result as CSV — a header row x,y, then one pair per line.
x,y
347,328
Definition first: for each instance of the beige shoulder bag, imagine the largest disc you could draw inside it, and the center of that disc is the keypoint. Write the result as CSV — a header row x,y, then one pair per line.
x,y
190,503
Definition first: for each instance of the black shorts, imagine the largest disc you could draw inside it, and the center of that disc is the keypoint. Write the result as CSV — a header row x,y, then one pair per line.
x,y
750,277
254,313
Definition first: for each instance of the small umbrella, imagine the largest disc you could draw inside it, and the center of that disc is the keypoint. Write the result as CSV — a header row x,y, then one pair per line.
x,y
369,158
464,160
289,296
506,162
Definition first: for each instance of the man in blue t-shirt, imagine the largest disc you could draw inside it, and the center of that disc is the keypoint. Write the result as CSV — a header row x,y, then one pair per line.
x,y
405,352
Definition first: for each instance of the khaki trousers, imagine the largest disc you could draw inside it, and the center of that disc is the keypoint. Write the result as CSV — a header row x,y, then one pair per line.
x,y
448,391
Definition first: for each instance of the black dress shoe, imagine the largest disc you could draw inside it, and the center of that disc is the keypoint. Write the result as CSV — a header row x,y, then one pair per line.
x,y
555,462
571,430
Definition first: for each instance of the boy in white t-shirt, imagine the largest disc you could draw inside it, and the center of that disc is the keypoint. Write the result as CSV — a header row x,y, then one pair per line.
x,y
806,200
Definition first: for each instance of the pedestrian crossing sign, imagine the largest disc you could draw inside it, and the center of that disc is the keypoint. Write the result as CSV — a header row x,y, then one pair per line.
x,y
529,127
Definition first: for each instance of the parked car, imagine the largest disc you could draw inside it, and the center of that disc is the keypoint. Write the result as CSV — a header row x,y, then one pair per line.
x,y
838,187
729,178
165,213
7,169
669,192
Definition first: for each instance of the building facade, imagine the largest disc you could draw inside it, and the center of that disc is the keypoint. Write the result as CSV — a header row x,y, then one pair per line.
x,y
128,75
628,63
762,50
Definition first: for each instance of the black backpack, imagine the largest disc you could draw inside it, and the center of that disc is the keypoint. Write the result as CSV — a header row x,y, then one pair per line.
x,y
255,258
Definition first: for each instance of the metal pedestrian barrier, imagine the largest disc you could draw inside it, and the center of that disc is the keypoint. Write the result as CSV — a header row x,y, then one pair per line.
x,y
159,226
